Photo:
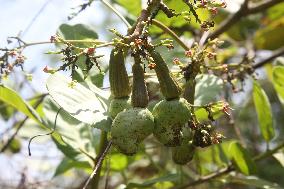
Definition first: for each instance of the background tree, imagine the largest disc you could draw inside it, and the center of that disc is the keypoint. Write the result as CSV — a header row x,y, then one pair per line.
x,y
225,63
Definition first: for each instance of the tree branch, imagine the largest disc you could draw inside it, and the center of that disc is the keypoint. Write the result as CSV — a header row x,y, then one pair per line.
x,y
98,166
228,169
22,123
24,44
137,29
171,33
102,151
276,53
242,12
117,13
263,6
207,178
269,152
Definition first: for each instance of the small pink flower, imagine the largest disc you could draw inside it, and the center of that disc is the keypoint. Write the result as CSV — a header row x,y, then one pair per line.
x,y
10,67
188,53
225,67
214,10
226,108
223,4
170,46
176,61
20,59
152,66
90,50
12,53
138,42
52,39
45,69
211,55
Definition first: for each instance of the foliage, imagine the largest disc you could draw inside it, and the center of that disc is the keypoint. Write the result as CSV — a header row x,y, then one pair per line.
x,y
229,138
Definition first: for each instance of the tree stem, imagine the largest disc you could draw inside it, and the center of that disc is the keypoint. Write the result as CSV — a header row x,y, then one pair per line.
x,y
277,53
228,169
101,153
171,33
20,126
189,91
242,12
117,13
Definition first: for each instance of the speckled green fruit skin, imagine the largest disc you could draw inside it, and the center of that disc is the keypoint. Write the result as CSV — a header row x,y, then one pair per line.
x,y
183,154
152,104
170,117
118,105
130,128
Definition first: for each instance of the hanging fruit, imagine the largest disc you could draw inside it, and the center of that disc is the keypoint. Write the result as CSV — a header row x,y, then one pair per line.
x,y
118,105
183,154
133,125
169,87
119,83
118,78
172,113
170,118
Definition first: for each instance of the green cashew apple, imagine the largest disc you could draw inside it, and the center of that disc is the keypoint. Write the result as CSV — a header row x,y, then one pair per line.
x,y
170,118
152,104
130,128
118,105
183,154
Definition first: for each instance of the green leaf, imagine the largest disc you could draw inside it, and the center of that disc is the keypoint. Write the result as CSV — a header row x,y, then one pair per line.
x,y
268,37
6,111
13,99
241,159
179,22
208,88
65,148
253,181
15,146
263,110
97,79
147,184
279,61
75,139
278,78
88,106
66,164
94,77
280,157
77,32
31,128
133,7
216,154
216,111
269,71
276,11
118,162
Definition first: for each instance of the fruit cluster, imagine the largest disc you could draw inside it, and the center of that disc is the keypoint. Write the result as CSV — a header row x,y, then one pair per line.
x,y
171,119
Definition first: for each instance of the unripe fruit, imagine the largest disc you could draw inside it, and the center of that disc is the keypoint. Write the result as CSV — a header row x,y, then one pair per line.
x,y
183,154
169,87
139,93
152,104
187,134
170,118
118,78
118,105
130,128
